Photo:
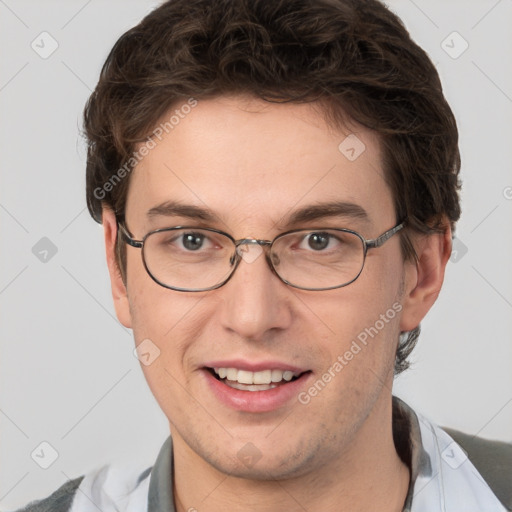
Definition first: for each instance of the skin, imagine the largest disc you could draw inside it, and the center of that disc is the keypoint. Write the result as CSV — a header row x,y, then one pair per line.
x,y
252,163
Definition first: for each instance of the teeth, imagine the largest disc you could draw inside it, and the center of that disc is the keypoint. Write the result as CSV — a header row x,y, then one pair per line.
x,y
259,378
277,375
288,375
251,387
245,377
231,373
264,377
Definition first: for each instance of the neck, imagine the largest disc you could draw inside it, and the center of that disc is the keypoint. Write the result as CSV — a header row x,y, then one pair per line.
x,y
369,474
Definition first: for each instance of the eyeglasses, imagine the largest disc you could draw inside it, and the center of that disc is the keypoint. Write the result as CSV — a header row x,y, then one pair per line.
x,y
191,259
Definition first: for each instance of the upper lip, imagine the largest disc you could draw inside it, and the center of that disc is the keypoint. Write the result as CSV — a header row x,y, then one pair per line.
x,y
253,366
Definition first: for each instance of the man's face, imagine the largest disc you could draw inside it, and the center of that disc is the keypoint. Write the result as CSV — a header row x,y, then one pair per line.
x,y
252,165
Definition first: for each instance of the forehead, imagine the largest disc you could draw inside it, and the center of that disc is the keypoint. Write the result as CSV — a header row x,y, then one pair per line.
x,y
252,162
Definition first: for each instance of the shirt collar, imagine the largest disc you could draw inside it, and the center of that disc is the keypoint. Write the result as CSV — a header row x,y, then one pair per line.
x,y
442,476
160,495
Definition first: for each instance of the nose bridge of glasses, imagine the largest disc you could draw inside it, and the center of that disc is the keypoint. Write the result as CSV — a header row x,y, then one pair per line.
x,y
249,249
243,245
252,241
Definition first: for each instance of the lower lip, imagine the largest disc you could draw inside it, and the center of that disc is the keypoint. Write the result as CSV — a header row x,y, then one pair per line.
x,y
256,401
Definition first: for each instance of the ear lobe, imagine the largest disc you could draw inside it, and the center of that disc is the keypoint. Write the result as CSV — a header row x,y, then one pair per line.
x,y
119,292
424,279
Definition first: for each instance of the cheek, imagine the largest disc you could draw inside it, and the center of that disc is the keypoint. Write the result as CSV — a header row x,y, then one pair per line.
x,y
362,321
167,324
349,310
154,309
167,321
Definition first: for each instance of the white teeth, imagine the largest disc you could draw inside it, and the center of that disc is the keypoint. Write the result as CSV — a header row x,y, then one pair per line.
x,y
287,375
277,375
251,387
231,373
258,378
264,377
245,377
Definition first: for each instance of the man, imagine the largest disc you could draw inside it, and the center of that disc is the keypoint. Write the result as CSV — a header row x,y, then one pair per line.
x,y
278,185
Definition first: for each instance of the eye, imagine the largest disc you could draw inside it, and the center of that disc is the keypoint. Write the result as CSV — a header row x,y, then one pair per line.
x,y
192,241
187,242
318,241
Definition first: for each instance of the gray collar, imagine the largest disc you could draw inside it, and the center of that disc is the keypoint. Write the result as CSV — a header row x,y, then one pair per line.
x,y
160,495
407,436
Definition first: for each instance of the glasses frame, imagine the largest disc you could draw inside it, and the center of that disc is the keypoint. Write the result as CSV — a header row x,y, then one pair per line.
x,y
368,243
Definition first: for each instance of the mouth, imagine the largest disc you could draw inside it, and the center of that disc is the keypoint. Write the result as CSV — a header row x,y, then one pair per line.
x,y
255,386
263,380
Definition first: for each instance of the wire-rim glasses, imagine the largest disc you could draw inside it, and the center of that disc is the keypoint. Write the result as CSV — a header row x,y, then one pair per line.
x,y
195,259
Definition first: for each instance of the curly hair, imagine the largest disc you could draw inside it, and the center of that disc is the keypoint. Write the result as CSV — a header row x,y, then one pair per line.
x,y
355,58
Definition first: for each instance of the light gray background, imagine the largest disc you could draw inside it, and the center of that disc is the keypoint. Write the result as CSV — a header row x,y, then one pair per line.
x,y
68,375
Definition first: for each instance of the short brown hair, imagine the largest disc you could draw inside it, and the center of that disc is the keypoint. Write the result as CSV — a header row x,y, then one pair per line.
x,y
353,57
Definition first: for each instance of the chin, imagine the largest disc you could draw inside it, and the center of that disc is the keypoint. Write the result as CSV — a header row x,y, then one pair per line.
x,y
268,463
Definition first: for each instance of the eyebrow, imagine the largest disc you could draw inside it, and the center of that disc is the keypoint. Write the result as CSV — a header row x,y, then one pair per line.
x,y
302,215
175,209
323,210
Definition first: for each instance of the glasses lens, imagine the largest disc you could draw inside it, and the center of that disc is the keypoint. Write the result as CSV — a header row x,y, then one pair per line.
x,y
318,259
189,259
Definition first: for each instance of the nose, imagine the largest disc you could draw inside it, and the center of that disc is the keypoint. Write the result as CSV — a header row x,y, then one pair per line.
x,y
254,301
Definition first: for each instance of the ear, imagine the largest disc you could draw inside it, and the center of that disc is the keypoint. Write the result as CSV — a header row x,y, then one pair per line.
x,y
424,278
119,292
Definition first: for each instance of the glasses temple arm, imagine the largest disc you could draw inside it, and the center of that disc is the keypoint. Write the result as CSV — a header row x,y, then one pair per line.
x,y
127,237
377,242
